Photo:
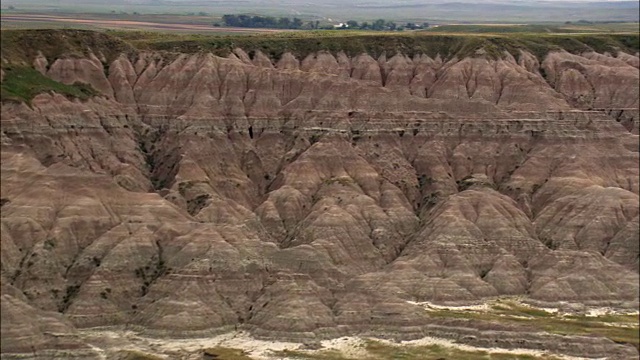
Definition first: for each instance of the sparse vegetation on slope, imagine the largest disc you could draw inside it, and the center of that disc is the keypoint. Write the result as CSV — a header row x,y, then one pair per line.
x,y
316,355
619,328
22,83
137,355
221,352
379,350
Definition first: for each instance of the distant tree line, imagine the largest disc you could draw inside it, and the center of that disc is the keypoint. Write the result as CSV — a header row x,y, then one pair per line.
x,y
248,21
582,22
262,22
381,25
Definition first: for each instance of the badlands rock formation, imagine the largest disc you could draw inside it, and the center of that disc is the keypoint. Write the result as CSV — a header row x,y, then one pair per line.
x,y
316,197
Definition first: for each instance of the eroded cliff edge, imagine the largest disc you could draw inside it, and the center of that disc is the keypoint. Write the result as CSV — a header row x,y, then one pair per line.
x,y
314,196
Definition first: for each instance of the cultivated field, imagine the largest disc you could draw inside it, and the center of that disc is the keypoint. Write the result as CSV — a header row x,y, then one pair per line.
x,y
180,24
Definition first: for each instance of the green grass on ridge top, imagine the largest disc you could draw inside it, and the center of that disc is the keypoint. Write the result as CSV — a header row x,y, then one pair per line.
x,y
447,45
23,45
22,84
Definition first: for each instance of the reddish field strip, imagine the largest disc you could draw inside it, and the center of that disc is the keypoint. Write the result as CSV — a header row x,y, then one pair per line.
x,y
130,24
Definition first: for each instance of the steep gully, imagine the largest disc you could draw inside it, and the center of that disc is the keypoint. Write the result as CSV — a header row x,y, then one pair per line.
x,y
318,196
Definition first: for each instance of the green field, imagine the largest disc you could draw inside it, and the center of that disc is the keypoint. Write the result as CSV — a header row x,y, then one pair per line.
x,y
552,28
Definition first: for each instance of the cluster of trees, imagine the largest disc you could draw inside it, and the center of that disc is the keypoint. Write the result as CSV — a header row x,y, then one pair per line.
x,y
382,24
582,22
249,21
262,22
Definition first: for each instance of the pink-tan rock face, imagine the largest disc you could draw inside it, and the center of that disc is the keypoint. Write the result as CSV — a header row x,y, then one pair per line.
x,y
303,197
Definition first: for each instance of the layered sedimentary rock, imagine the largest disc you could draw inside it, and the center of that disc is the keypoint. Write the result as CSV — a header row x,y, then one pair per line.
x,y
315,196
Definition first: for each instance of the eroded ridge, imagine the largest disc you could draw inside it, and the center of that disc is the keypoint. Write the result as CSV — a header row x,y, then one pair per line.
x,y
316,197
